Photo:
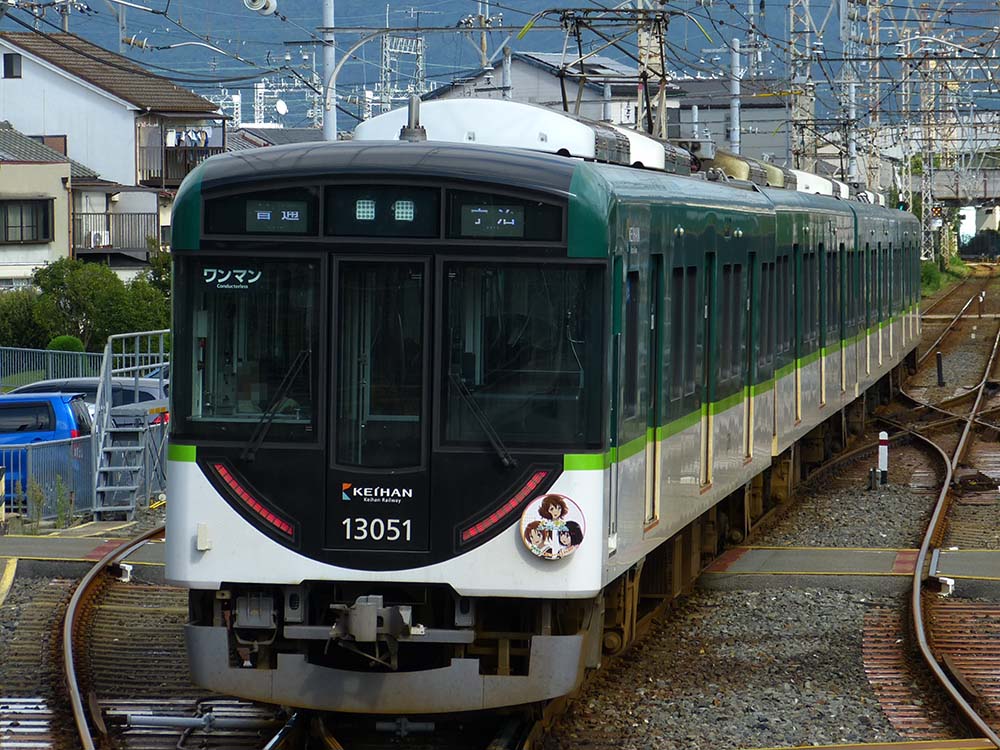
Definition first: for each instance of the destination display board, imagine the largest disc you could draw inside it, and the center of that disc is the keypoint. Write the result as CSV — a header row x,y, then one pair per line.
x,y
505,218
289,212
281,217
492,221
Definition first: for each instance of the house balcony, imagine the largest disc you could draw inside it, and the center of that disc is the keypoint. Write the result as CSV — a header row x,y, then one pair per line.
x,y
119,233
167,166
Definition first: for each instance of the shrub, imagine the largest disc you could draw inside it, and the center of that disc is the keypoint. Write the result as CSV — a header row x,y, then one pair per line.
x,y
36,503
930,277
66,344
64,504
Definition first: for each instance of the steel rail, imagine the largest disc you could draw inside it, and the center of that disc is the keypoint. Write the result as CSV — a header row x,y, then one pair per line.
x,y
119,553
946,331
932,529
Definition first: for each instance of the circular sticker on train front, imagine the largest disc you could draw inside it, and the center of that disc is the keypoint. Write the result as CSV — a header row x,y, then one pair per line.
x,y
552,527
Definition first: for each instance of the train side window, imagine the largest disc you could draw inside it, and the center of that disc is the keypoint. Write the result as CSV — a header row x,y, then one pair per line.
x,y
694,314
832,297
737,308
881,276
726,319
631,396
678,324
767,306
890,282
870,278
851,296
810,299
784,292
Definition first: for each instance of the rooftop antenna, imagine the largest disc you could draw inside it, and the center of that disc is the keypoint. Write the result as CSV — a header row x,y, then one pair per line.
x,y
413,131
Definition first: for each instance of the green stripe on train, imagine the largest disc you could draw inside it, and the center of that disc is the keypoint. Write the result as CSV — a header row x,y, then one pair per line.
x,y
185,453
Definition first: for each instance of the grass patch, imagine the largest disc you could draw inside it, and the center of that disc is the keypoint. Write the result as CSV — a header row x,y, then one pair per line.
x,y
932,278
18,379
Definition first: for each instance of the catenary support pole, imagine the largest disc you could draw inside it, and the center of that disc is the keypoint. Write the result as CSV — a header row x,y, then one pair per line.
x,y
329,61
734,102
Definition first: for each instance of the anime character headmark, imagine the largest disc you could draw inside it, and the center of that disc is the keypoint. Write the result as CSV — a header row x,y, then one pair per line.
x,y
552,526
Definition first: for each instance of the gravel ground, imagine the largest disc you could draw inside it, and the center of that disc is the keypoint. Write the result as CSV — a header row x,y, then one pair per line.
x,y
842,514
963,361
146,519
737,669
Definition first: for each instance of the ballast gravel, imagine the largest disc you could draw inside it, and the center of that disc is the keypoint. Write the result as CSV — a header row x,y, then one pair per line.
x,y
736,670
22,591
847,514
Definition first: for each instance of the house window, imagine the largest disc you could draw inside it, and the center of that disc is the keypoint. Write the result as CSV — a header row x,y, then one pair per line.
x,y
25,221
11,65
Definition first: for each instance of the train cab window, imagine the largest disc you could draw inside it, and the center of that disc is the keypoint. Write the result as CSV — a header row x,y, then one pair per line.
x,y
254,326
523,354
380,364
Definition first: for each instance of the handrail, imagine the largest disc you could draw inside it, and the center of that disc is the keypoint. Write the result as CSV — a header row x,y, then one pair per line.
x,y
131,363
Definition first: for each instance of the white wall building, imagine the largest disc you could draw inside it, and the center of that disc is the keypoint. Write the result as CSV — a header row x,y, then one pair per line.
x,y
35,206
138,131
606,89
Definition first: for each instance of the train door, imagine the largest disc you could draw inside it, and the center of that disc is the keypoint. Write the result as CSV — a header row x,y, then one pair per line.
x,y
798,310
654,387
749,338
613,488
708,366
379,453
823,293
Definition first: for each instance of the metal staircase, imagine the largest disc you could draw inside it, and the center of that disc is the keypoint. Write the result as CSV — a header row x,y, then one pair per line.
x,y
130,441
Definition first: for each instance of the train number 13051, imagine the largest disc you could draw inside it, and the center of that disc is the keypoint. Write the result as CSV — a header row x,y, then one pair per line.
x,y
377,529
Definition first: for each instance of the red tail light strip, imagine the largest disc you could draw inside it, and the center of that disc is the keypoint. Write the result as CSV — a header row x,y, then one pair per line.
x,y
252,503
507,508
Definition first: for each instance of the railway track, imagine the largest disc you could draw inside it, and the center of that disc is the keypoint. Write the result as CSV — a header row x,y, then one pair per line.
x,y
969,287
960,639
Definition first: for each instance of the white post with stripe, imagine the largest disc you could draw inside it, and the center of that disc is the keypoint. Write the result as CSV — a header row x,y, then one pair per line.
x,y
883,457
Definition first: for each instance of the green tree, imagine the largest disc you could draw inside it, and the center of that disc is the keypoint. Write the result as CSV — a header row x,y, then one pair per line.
x,y
158,273
149,309
86,299
18,324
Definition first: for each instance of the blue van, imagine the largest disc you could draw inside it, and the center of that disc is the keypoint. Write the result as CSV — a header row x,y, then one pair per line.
x,y
37,418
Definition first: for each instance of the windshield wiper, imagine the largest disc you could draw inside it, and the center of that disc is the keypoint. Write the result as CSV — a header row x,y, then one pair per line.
x,y
264,423
506,459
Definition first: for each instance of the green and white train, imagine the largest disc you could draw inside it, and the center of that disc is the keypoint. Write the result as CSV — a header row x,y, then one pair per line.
x,y
448,417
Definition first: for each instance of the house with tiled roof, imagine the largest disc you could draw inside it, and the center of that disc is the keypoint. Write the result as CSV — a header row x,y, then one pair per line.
x,y
139,132
35,205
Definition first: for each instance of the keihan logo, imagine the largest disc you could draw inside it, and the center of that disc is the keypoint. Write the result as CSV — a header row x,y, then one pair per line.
x,y
344,487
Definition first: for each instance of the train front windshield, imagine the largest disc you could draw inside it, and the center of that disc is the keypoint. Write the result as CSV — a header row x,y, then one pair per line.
x,y
522,354
520,357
